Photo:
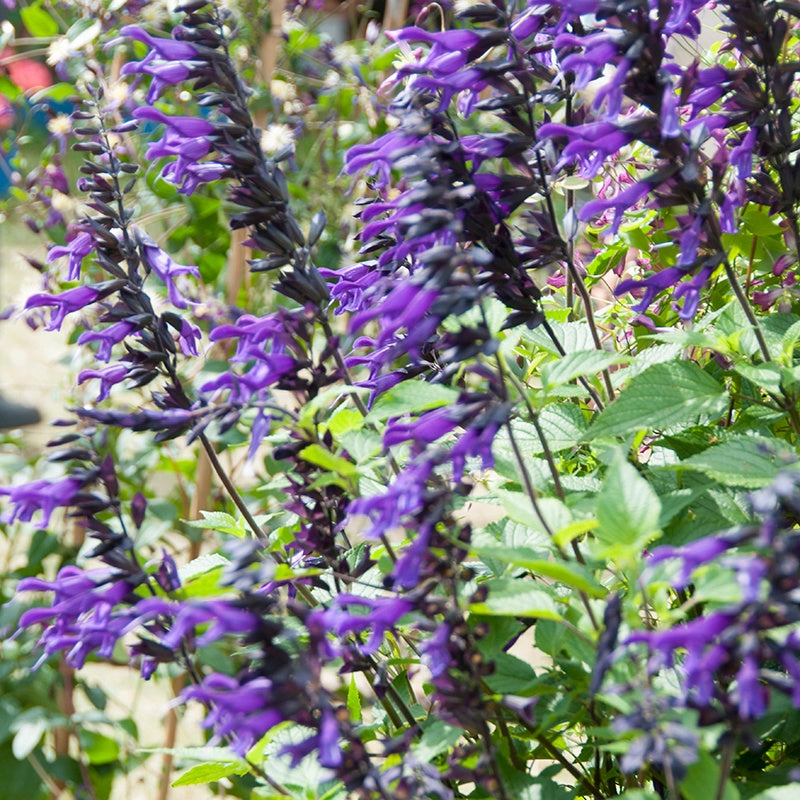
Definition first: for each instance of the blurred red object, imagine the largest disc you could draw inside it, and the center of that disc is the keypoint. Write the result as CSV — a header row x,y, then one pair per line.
x,y
7,114
26,73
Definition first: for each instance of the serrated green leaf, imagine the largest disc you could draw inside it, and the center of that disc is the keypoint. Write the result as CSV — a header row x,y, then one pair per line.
x,y
517,597
200,566
627,509
411,396
511,675
219,521
215,771
563,425
765,376
573,575
666,394
573,365
747,461
321,457
572,336
437,738
354,701
345,420
519,508
789,341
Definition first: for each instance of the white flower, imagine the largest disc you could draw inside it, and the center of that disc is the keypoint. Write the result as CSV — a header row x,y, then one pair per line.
x,y
61,202
60,50
346,55
275,137
60,125
282,90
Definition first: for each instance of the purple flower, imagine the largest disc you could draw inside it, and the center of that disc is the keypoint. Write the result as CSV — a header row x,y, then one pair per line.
x,y
166,269
188,138
240,711
108,337
84,616
76,249
621,203
404,497
65,303
39,496
377,615
168,49
750,693
692,556
108,377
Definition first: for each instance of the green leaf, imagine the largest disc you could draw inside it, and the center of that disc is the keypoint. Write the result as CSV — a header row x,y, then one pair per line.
x,y
519,508
511,675
219,521
99,749
354,701
666,394
437,738
571,336
345,420
563,426
215,771
765,376
27,736
517,597
38,21
322,457
573,365
789,792
627,509
702,780
573,575
200,566
411,396
748,461
757,220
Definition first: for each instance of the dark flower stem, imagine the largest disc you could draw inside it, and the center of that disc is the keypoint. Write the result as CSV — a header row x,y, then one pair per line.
x,y
233,492
245,511
725,766
741,297
577,280
362,409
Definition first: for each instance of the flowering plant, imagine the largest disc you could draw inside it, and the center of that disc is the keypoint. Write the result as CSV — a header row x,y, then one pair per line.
x,y
519,504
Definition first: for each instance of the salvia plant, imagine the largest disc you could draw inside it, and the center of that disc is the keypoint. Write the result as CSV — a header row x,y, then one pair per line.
x,y
503,423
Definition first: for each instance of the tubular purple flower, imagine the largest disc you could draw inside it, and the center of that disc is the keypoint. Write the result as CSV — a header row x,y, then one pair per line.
x,y
404,497
108,337
84,615
625,200
240,711
166,269
65,303
169,49
76,249
382,615
692,556
750,694
189,127
108,377
163,74
39,496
